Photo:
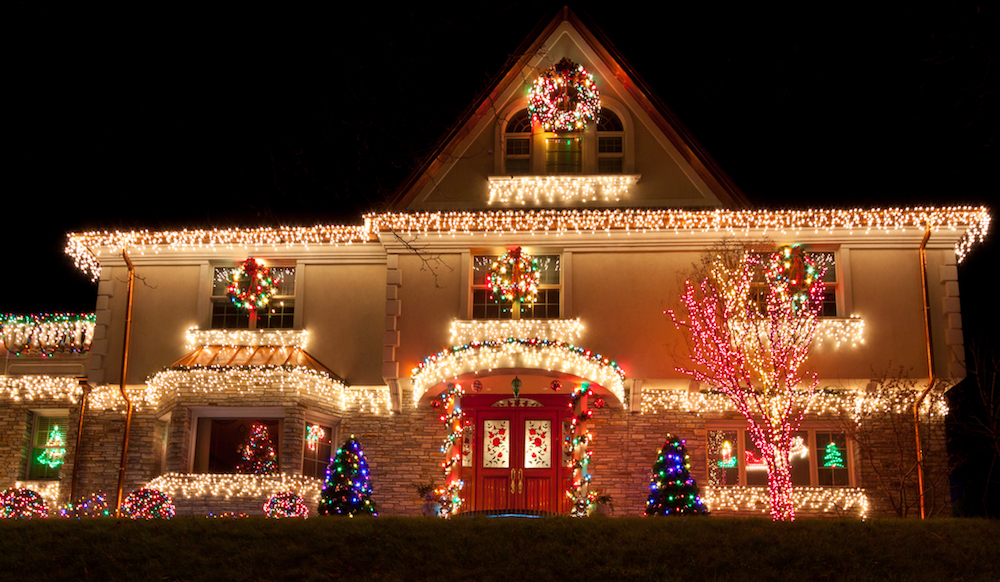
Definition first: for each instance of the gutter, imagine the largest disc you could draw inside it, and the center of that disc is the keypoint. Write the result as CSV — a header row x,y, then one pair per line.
x,y
930,373
79,439
128,403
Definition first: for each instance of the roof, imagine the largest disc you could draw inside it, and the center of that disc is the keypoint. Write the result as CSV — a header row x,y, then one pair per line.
x,y
239,356
693,153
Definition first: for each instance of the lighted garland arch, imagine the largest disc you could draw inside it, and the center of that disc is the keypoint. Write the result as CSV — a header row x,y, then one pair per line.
x,y
540,354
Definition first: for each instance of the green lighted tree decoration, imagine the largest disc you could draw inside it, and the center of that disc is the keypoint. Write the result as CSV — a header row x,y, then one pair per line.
x,y
348,487
257,454
55,449
832,457
672,490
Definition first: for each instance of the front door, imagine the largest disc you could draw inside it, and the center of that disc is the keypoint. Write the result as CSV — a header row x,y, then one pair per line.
x,y
518,452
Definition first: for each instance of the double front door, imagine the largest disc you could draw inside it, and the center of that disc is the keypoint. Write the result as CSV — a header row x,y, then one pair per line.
x,y
517,459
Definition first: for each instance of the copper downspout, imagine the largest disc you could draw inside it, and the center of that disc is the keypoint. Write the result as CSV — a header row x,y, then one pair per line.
x,y
79,439
930,373
128,403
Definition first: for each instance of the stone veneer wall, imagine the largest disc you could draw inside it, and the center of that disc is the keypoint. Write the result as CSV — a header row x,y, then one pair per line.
x,y
402,449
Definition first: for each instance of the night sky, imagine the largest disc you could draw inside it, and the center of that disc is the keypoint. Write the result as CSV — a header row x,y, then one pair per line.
x,y
200,118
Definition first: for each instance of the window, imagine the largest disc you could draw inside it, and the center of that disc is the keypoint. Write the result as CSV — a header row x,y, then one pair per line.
x,y
610,143
237,445
279,313
47,452
317,450
818,458
517,144
549,286
563,155
826,259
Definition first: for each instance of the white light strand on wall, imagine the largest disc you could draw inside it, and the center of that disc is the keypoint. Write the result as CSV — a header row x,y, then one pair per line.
x,y
372,400
196,485
836,500
86,248
32,388
49,490
517,353
553,189
826,402
107,398
199,338
468,331
48,333
841,331
242,380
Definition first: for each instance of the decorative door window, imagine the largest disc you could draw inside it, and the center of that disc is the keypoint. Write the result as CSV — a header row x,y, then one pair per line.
x,y
496,444
537,444
468,445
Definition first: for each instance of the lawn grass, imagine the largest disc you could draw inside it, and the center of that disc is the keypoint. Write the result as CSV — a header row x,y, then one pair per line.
x,y
499,549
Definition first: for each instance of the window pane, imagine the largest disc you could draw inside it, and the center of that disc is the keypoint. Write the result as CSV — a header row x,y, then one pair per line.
x,y
549,269
828,260
563,155
756,467
278,314
831,459
829,308
228,439
518,147
609,145
609,166
220,282
608,121
286,280
318,447
518,167
723,458
520,122
225,315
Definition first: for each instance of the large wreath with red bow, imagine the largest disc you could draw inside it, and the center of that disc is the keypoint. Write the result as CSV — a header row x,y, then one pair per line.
x,y
564,97
252,285
513,277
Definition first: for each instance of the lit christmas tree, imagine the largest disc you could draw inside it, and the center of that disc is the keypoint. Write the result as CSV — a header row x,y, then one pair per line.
x,y
672,490
832,458
348,487
258,453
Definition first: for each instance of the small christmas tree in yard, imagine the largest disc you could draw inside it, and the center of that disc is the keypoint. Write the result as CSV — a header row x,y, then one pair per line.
x,y
258,456
348,487
672,490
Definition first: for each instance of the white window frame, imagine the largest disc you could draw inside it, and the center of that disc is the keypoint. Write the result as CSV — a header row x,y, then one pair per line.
x,y
810,428
329,421
36,416
220,412
471,287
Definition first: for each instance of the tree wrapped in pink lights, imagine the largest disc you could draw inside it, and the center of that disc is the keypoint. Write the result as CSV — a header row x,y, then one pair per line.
x,y
750,320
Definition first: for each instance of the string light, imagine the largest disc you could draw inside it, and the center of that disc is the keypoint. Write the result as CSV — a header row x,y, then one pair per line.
x,y
95,505
252,285
469,331
146,503
228,486
199,338
841,331
86,248
449,496
40,388
517,353
47,333
49,489
559,189
513,277
853,403
21,503
839,500
577,444
285,504
242,380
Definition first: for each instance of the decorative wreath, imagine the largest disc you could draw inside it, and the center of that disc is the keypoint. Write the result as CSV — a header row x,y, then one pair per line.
x,y
252,285
793,266
564,97
514,277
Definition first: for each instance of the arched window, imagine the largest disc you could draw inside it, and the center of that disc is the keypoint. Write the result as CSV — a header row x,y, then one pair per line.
x,y
610,143
517,144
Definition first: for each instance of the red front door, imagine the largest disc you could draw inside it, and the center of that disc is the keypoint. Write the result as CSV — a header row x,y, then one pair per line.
x,y
518,452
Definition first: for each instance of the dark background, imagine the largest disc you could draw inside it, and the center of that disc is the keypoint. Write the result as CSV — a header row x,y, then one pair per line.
x,y
164,117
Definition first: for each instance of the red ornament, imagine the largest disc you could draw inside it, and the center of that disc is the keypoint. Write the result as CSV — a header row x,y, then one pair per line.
x,y
435,404
477,386
556,385
599,402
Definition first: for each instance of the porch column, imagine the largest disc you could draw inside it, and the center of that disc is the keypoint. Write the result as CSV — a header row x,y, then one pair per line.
x,y
452,416
581,456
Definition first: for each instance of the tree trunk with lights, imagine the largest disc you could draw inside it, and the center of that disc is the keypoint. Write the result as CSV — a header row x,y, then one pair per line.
x,y
748,337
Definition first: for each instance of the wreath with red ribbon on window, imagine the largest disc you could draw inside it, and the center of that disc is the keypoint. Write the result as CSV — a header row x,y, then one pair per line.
x,y
252,285
513,277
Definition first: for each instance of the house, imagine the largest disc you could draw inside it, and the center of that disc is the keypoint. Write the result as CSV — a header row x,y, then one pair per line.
x,y
386,328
